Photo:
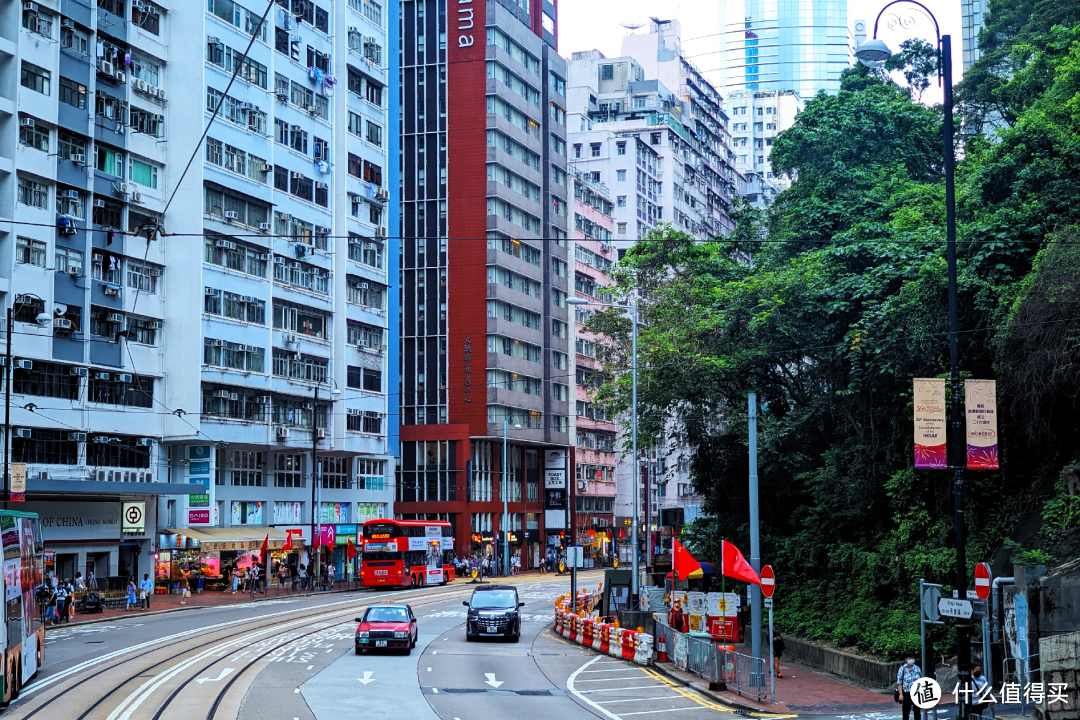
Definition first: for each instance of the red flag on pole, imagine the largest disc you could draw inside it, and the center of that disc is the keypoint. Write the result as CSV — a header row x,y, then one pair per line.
x,y
350,549
288,543
735,565
683,563
266,551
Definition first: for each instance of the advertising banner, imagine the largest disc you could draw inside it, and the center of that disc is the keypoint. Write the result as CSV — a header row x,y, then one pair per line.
x,y
18,482
199,472
929,406
980,406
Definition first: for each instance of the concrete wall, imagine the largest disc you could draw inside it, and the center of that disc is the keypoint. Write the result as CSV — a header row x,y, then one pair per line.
x,y
865,671
1058,656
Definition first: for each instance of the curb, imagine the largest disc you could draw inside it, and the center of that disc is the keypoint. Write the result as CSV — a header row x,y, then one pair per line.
x,y
136,614
703,688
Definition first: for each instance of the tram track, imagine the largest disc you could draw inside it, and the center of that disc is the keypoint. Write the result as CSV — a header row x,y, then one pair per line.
x,y
328,618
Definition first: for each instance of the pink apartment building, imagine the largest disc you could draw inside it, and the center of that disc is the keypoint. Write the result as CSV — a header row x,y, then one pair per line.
x,y
594,431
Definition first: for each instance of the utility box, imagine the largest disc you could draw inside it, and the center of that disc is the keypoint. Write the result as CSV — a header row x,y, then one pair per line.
x,y
616,592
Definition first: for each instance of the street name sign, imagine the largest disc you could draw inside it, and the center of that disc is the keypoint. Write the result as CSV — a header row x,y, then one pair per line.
x,y
951,607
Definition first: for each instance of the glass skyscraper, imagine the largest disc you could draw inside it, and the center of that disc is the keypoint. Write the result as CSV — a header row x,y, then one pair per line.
x,y
799,45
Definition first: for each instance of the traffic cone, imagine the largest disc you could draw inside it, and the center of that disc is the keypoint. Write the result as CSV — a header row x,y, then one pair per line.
x,y
661,649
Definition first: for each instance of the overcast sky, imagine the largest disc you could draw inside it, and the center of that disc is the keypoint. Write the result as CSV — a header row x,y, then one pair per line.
x,y
589,24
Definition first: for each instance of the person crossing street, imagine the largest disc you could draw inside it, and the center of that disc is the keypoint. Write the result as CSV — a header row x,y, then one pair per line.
x,y
906,676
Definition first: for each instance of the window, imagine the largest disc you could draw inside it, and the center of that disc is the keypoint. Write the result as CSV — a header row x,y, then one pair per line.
x,y
513,313
507,380
299,319
293,272
70,146
622,228
620,148
27,309
364,335
109,161
234,403
143,276
559,361
33,193
235,255
47,379
142,330
368,252
237,307
36,136
35,78
75,39
364,379
247,468
69,261
222,353
49,447
374,133
106,267
513,348
607,72
620,175
300,367
364,421
517,216
146,122
558,328
289,470
242,210
143,173
109,214
514,247
217,53
335,474
112,388
506,278
364,293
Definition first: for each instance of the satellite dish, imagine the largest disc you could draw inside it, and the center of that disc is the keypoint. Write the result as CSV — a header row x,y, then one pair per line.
x,y
632,26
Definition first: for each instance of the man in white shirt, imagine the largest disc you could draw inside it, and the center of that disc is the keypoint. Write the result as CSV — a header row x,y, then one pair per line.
x,y
146,587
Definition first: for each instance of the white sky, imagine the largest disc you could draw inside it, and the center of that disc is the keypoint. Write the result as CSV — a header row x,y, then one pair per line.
x,y
589,24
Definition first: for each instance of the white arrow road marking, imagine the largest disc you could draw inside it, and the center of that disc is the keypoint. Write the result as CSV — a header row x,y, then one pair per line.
x,y
492,681
224,672
367,677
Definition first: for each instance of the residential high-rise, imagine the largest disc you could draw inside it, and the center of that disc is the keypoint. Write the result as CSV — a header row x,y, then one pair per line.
x,y
654,129
594,429
484,273
799,46
757,117
250,329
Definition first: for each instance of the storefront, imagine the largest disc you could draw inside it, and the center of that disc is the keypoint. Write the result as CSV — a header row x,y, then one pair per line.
x,y
343,565
209,555
483,544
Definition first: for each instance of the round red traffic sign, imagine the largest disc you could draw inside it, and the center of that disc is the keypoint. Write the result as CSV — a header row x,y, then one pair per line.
x,y
982,581
768,581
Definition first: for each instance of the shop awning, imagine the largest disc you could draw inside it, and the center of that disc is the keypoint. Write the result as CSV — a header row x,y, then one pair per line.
x,y
236,538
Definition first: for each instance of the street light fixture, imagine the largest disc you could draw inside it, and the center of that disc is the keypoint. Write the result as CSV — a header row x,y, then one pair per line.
x,y
871,52
633,312
505,487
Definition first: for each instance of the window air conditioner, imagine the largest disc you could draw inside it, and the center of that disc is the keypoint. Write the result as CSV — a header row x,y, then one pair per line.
x,y
23,433
282,433
70,194
311,109
30,7
101,439
212,291
233,396
282,96
222,394
102,376
264,400
146,442
78,158
62,324
320,433
77,437
363,286
124,378
120,77
99,203
116,317
157,324
265,227
230,215
136,196
106,67
26,122
23,364
161,93
67,23
217,343
79,371
381,231
320,186
228,244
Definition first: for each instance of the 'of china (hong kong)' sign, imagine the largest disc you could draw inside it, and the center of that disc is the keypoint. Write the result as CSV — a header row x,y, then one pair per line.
x,y
980,405
929,406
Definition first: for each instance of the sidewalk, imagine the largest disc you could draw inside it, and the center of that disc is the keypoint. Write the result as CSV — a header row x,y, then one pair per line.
x,y
800,690
161,604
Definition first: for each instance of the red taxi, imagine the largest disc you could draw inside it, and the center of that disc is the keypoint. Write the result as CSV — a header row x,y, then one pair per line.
x,y
387,626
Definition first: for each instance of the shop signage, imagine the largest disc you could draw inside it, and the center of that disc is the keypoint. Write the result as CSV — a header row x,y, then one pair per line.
x,y
346,529
199,500
78,520
130,543
555,469
198,517
134,517
555,498
18,482
199,469
326,535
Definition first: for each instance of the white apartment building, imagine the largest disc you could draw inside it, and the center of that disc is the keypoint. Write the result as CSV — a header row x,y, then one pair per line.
x,y
183,369
757,117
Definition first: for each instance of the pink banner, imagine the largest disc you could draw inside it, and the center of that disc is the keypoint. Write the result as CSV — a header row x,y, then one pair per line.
x,y
929,406
980,405
326,535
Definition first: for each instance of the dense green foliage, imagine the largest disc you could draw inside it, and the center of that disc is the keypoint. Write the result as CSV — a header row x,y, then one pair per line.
x,y
831,302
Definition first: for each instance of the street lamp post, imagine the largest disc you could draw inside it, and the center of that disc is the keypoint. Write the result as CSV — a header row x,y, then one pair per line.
x,y
633,312
505,487
874,52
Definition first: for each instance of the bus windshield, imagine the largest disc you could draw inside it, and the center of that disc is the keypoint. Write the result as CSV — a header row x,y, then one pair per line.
x,y
382,555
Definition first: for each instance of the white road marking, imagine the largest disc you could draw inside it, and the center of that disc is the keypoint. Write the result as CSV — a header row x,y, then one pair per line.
x,y
434,652
435,690
492,681
310,666
296,690
429,669
619,669
661,697
616,679
570,685
650,712
367,677
619,689
224,672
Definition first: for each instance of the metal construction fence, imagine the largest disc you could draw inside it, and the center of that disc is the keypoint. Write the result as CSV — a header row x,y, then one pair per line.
x,y
710,660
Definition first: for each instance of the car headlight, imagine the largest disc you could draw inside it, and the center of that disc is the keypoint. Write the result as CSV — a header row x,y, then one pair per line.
x,y
363,634
400,633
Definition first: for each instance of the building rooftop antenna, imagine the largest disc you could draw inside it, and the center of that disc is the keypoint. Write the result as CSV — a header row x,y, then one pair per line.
x,y
632,26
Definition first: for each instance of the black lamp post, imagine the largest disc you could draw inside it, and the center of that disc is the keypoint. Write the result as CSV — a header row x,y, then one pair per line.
x,y
873,52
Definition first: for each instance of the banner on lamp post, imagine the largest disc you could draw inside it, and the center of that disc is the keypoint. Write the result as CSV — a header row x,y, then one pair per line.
x,y
929,405
980,406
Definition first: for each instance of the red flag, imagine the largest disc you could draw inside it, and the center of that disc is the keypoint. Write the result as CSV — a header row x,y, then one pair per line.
x,y
350,549
287,546
683,563
735,565
266,550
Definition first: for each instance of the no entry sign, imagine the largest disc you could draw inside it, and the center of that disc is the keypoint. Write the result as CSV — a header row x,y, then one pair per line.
x,y
768,581
982,581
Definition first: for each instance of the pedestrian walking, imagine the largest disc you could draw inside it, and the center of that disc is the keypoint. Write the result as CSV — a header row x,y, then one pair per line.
x,y
675,617
255,579
283,574
50,605
131,598
981,689
906,676
147,589
91,581
80,584
330,571
778,650
62,599
235,577
185,588
303,578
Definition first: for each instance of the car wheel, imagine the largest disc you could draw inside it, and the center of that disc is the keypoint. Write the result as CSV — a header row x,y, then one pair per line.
x,y
516,638
469,638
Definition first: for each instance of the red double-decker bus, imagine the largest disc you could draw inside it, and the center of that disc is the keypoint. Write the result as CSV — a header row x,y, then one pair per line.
x,y
407,553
